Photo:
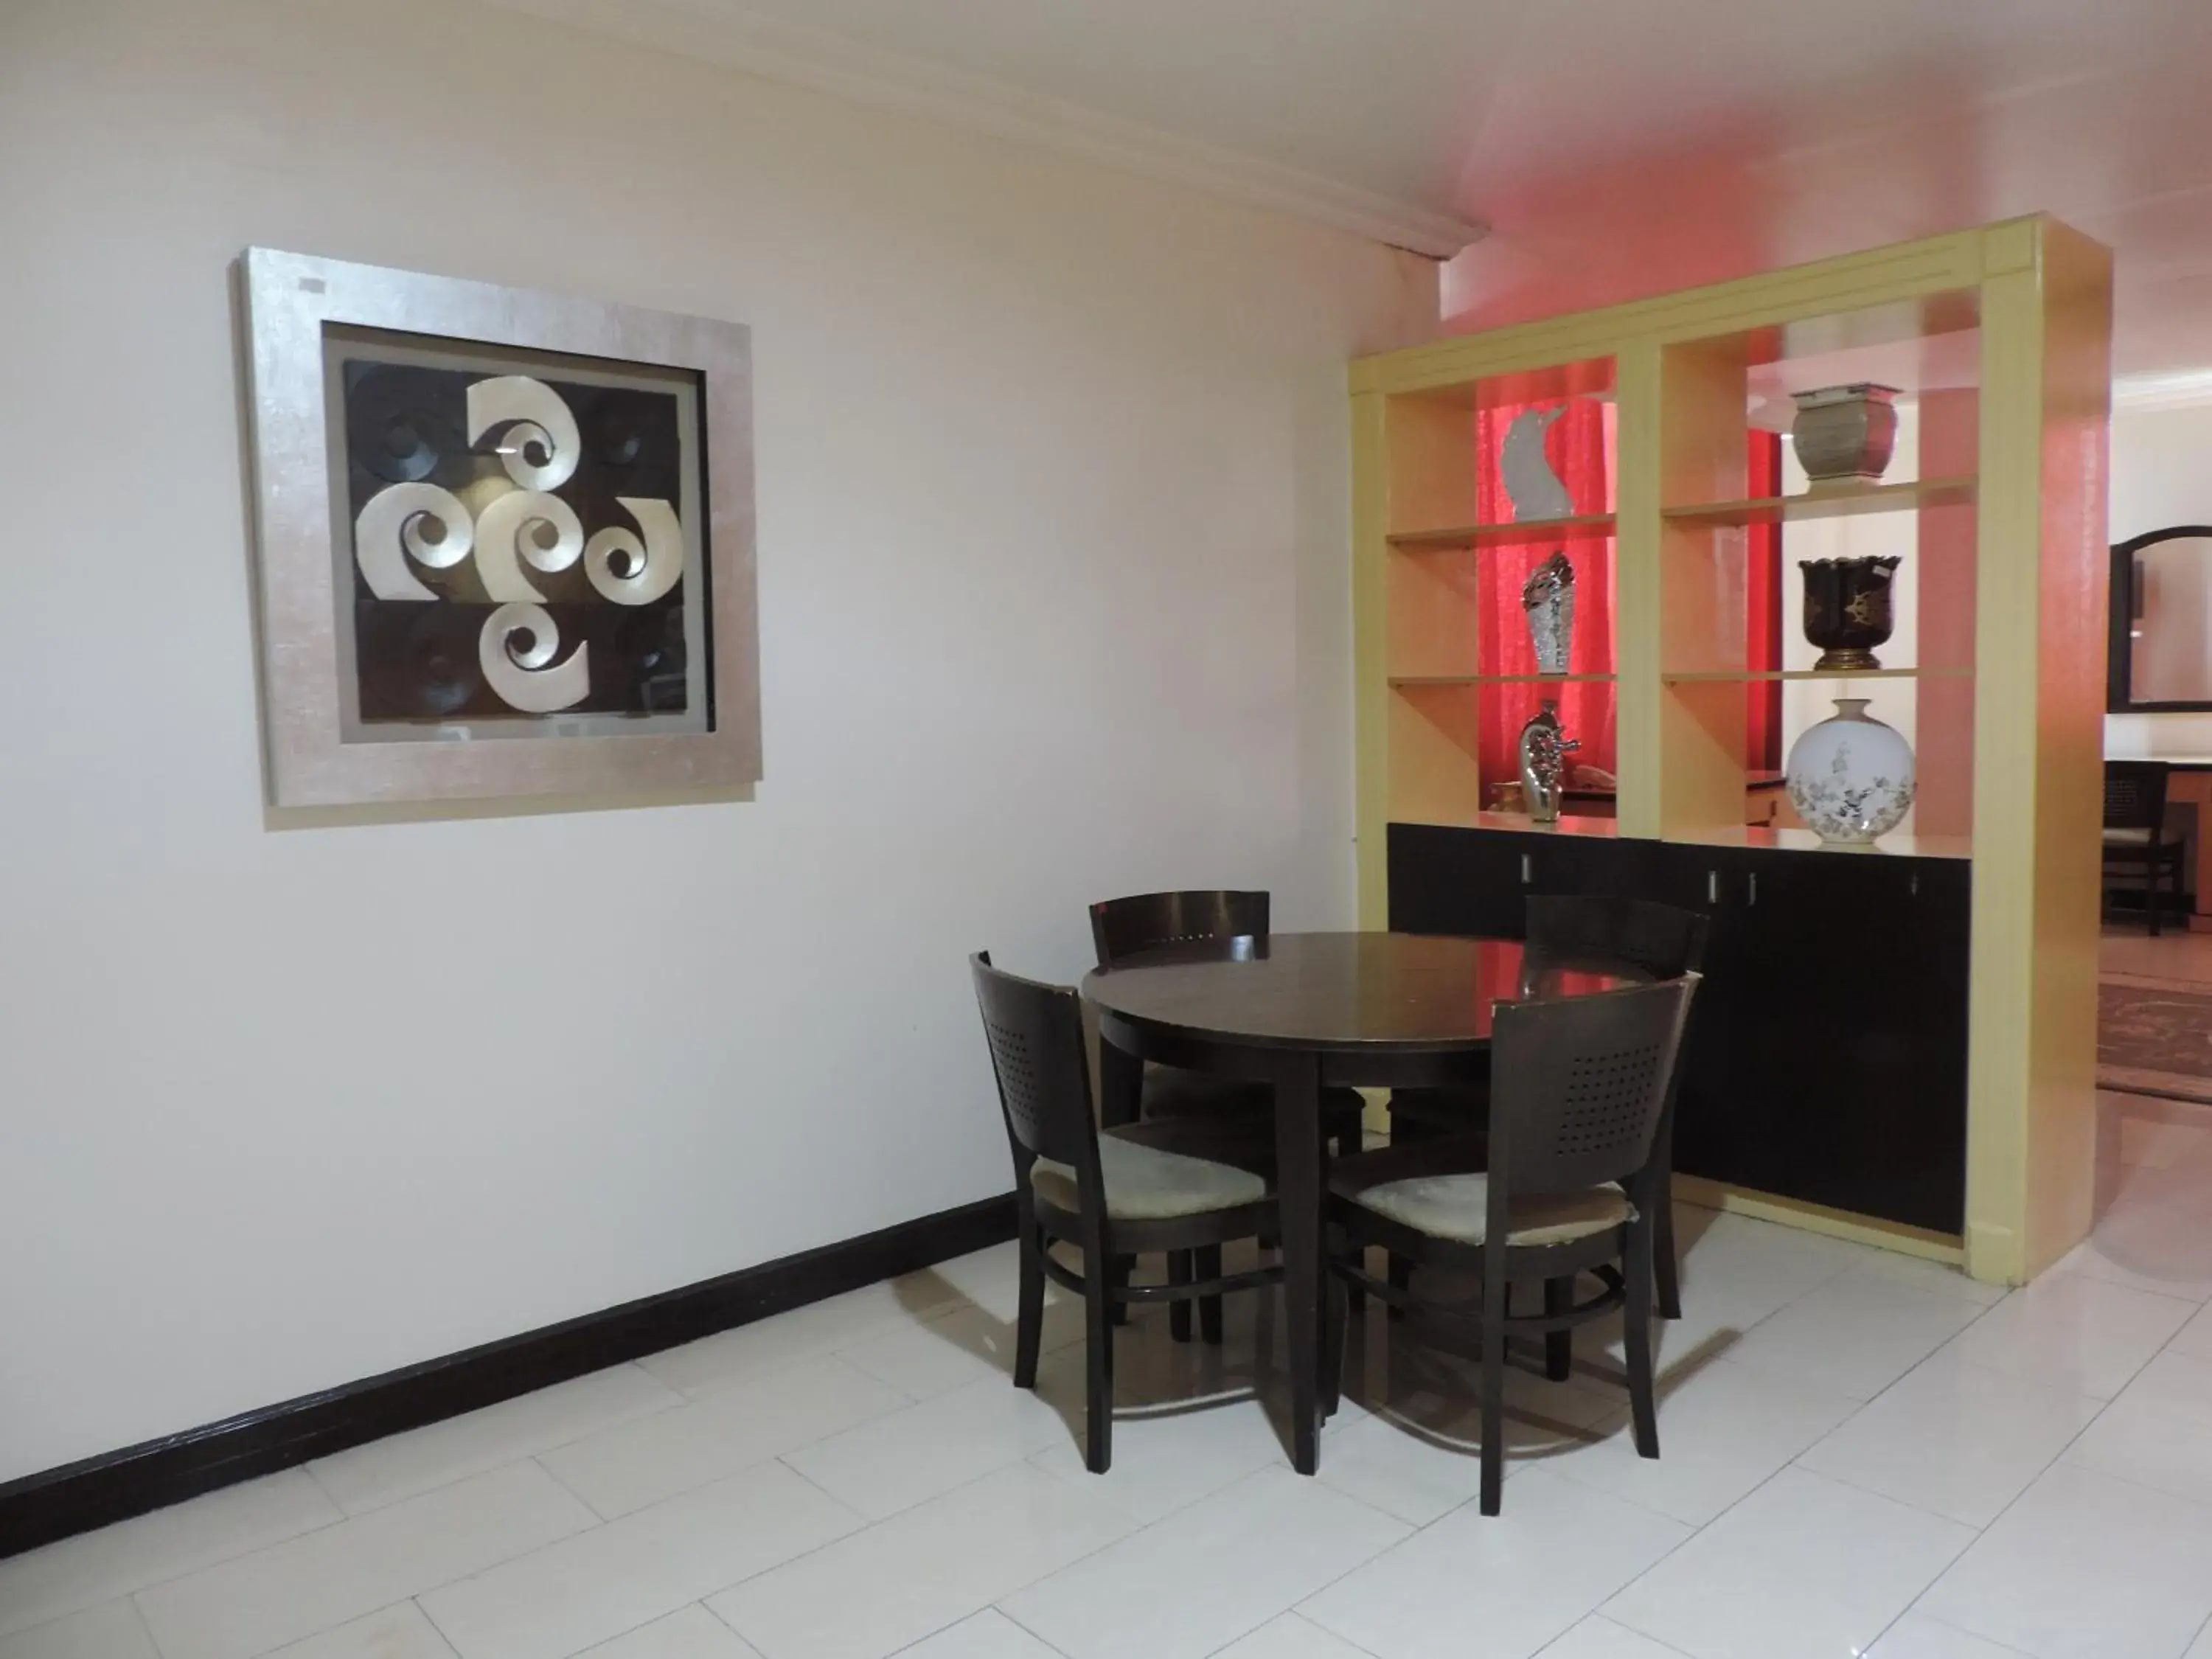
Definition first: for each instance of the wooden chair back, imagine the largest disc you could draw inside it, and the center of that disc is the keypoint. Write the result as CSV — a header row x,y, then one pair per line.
x,y
1122,926
2135,795
1663,940
1578,1088
1043,1070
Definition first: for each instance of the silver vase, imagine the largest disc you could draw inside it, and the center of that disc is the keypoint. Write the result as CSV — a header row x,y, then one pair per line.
x,y
1844,433
1548,597
1544,751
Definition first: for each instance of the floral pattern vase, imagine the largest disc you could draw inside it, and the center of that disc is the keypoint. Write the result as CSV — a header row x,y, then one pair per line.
x,y
1851,777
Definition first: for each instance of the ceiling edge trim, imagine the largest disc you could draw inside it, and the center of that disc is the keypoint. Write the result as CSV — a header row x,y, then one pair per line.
x,y
827,63
2139,394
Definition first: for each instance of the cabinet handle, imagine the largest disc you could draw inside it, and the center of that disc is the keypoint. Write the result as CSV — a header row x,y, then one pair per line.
x,y
1916,883
1528,869
1712,887
1754,880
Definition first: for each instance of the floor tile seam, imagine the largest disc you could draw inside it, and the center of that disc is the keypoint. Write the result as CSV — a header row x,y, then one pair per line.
x,y
1666,1646
1003,1612
1996,1519
135,1591
2110,1283
777,1368
598,1519
2066,1458
677,1402
1975,1635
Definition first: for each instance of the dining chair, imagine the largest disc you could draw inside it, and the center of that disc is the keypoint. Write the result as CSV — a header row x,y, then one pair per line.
x,y
1567,1182
1135,1190
1664,941
1124,927
2134,828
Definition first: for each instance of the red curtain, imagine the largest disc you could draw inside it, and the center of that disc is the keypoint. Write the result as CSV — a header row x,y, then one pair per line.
x,y
1763,601
1580,445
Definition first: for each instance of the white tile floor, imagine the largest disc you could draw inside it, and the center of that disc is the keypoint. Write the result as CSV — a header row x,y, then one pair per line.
x,y
1863,1455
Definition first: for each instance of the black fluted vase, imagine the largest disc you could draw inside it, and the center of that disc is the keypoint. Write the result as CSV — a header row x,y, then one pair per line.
x,y
1847,608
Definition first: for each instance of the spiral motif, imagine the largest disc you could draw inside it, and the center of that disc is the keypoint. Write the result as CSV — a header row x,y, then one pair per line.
x,y
391,528
521,678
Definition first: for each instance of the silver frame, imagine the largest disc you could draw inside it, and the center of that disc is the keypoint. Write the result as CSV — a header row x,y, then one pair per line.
x,y
288,297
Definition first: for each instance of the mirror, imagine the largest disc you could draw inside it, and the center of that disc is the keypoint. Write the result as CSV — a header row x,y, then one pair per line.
x,y
2160,656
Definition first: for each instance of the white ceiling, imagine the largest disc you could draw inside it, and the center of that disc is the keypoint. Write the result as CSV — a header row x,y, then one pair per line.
x,y
1612,148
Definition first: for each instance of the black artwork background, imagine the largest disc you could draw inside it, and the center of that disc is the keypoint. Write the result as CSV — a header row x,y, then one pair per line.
x,y
406,423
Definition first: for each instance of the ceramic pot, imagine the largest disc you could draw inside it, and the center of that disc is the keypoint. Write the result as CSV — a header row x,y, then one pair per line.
x,y
1844,433
1543,753
1847,609
1851,777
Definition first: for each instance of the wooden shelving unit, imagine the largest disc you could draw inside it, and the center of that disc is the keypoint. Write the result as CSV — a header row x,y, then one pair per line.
x,y
1589,526
1847,502
1405,680
1751,676
2008,577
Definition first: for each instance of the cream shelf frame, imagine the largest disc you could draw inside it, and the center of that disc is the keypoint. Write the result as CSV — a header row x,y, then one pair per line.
x,y
2040,294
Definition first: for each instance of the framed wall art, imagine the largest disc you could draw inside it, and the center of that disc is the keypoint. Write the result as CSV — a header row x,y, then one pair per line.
x,y
505,540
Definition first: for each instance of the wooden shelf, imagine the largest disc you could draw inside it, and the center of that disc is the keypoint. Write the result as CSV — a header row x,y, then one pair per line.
x,y
1589,526
1405,682
1805,841
1845,500
1745,677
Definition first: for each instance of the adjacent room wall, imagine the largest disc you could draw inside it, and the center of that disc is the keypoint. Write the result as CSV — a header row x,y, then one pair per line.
x,y
2161,476
1054,592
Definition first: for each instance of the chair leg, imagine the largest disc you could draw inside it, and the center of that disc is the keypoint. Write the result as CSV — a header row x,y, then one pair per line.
x,y
1179,1312
1123,1268
1637,1330
1028,1317
1493,1410
1209,1260
1098,1366
1335,1315
1402,1279
1559,1345
2150,894
1667,1269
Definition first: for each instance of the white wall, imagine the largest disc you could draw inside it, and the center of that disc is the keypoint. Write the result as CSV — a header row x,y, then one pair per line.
x,y
2162,475
1055,604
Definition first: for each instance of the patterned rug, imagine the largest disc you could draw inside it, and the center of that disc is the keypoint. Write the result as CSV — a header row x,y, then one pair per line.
x,y
2154,1036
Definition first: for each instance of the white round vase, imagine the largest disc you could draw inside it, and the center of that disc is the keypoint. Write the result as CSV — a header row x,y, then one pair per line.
x,y
1851,777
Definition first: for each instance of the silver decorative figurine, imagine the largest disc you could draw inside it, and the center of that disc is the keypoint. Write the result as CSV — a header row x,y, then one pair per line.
x,y
1544,750
1548,597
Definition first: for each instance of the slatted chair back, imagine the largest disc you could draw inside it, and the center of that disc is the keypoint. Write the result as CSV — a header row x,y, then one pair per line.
x,y
1578,1085
1043,1069
1662,940
2135,795
1122,926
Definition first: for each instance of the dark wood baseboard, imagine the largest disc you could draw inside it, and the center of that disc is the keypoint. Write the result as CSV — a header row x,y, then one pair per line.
x,y
39,1509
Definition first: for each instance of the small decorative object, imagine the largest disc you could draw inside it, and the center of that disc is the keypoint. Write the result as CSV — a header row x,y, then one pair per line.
x,y
1544,750
1548,597
1536,490
1843,433
506,539
1850,777
1847,610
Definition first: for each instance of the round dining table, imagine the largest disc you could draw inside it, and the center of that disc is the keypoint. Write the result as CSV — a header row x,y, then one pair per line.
x,y
1304,1011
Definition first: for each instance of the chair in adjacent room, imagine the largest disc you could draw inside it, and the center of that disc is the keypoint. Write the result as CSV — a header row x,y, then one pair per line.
x,y
2135,833
1664,941
1568,1181
1136,1189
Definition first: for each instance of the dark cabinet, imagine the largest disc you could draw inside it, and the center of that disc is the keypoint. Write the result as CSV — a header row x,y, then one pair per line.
x,y
1827,1059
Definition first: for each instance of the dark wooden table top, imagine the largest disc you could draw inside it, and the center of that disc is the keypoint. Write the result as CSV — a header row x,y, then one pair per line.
x,y
1400,992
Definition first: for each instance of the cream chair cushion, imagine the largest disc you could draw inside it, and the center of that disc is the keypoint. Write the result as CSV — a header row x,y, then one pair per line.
x,y
1457,1207
1150,1183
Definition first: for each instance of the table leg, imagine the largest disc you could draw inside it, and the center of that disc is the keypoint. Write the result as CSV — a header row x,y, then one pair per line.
x,y
1121,1085
1298,1172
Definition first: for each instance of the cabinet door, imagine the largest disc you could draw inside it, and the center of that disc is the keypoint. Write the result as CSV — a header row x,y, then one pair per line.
x,y
1455,881
1846,1058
